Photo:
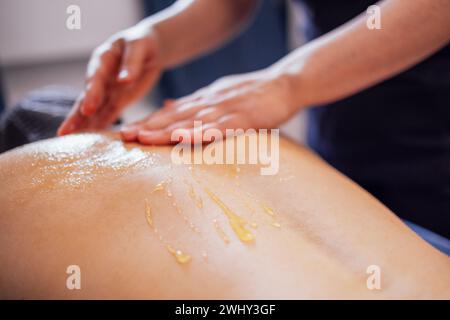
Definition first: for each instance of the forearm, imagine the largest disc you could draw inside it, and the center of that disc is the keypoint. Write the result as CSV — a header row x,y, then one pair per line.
x,y
190,28
352,58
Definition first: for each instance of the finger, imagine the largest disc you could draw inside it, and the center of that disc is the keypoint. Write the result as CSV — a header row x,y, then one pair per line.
x,y
155,137
164,136
105,117
102,69
185,124
233,121
167,116
194,111
74,121
229,121
169,103
130,132
210,114
194,97
120,97
94,96
192,135
214,93
132,62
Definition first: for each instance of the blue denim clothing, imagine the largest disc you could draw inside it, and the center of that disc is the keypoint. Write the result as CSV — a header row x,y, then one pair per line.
x,y
437,241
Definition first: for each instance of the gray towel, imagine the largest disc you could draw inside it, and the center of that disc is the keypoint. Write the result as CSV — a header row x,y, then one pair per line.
x,y
35,117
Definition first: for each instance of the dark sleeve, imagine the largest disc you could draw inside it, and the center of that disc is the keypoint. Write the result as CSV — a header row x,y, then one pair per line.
x,y
2,99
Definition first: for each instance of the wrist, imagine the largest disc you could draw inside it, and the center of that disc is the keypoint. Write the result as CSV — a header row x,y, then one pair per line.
x,y
169,28
290,83
163,46
158,27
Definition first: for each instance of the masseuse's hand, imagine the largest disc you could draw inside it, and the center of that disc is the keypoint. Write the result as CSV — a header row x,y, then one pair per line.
x,y
255,100
120,71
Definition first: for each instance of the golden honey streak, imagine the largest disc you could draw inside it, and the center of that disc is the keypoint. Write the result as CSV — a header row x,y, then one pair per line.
x,y
236,222
276,224
159,187
271,213
148,214
221,233
268,210
197,199
181,257
164,186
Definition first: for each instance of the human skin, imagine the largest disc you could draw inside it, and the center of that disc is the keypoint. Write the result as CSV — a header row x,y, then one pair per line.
x,y
83,200
334,66
123,68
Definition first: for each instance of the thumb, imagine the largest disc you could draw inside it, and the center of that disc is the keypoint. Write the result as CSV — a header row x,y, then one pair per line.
x,y
133,60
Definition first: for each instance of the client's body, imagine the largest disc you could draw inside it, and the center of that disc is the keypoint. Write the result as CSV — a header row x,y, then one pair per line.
x,y
141,227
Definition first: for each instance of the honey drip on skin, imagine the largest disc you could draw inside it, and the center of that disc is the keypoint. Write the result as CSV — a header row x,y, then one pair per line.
x,y
276,224
234,171
180,256
163,186
197,199
250,207
148,214
268,210
185,218
272,214
236,222
158,187
220,231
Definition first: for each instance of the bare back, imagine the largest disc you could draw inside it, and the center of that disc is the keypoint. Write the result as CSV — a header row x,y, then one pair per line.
x,y
139,226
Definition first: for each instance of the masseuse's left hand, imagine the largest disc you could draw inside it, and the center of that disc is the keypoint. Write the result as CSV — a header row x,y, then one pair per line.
x,y
254,100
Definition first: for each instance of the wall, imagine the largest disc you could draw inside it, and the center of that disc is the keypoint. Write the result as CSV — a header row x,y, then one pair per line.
x,y
35,31
36,48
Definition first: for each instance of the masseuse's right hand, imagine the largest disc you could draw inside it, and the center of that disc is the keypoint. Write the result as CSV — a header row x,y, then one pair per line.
x,y
120,71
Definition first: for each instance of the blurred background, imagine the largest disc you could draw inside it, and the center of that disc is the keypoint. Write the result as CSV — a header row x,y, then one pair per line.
x,y
37,49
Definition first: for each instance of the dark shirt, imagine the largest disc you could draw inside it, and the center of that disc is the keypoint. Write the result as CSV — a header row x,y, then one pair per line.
x,y
2,101
394,138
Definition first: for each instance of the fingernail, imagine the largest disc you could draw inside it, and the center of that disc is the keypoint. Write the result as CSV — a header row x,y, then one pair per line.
x,y
146,136
65,129
145,133
128,128
128,132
